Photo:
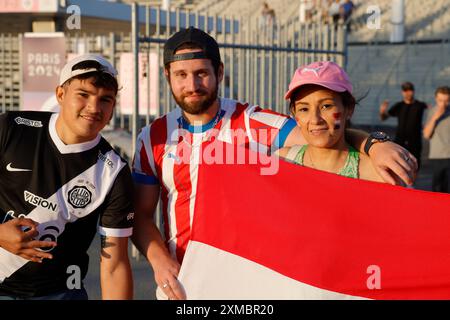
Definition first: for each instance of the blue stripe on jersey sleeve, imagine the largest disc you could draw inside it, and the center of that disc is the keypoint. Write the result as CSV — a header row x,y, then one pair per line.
x,y
144,179
283,134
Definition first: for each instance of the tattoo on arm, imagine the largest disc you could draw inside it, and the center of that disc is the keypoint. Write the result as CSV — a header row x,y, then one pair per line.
x,y
104,244
103,241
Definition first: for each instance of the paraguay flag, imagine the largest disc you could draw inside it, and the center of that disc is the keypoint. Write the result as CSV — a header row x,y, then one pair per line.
x,y
307,234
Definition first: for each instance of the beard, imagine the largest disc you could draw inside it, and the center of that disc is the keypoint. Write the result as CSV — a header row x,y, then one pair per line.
x,y
200,106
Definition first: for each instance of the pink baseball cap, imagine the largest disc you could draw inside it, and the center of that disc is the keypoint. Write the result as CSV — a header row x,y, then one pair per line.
x,y
323,73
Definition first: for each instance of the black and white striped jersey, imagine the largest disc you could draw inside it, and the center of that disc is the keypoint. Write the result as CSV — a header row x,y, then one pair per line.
x,y
68,189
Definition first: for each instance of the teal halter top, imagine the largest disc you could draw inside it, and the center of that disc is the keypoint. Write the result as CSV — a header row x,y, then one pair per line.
x,y
350,169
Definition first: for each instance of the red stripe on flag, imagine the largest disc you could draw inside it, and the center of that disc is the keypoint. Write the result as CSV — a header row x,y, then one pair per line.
x,y
326,230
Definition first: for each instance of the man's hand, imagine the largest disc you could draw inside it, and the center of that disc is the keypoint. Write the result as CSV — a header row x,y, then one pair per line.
x,y
384,106
440,110
148,240
428,129
383,109
166,271
22,243
392,161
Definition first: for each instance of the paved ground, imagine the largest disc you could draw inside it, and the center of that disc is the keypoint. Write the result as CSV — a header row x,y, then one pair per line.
x,y
144,284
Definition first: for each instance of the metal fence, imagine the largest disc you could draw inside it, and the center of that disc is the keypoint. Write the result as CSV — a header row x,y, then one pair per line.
x,y
9,72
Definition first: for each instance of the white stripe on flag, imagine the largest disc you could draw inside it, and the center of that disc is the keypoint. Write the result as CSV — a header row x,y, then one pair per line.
x,y
210,273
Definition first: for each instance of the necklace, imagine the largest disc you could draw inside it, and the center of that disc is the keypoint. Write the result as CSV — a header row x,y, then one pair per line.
x,y
311,160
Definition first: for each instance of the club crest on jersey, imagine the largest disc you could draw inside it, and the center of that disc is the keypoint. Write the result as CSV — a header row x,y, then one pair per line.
x,y
39,202
80,197
28,122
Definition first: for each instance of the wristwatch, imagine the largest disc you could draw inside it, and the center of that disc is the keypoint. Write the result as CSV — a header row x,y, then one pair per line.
x,y
374,137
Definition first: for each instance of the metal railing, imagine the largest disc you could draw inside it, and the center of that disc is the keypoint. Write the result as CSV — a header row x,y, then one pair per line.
x,y
9,72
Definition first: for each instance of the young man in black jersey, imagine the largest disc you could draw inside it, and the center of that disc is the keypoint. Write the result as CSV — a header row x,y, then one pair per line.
x,y
59,180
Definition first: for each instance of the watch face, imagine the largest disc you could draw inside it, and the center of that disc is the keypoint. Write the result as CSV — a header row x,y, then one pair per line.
x,y
379,135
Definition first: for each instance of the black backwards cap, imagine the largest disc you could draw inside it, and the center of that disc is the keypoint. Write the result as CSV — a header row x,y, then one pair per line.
x,y
209,46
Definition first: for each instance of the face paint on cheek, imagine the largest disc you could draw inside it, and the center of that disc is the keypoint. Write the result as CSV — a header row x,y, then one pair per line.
x,y
337,120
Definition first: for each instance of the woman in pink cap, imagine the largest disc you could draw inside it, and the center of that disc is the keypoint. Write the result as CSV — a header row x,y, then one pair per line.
x,y
322,103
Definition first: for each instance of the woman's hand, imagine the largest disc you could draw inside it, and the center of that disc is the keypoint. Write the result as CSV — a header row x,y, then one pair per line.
x,y
393,162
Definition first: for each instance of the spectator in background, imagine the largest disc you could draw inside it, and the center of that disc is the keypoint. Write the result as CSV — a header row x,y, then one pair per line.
x,y
323,10
267,21
271,21
265,12
306,10
346,10
437,130
409,112
334,11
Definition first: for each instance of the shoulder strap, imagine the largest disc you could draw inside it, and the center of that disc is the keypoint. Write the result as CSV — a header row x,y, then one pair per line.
x,y
351,167
293,152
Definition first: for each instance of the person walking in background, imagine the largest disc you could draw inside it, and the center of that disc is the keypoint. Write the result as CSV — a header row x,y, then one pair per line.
x,y
409,113
437,130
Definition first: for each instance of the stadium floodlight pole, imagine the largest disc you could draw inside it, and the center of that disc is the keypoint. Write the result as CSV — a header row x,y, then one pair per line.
x,y
135,49
398,21
166,5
